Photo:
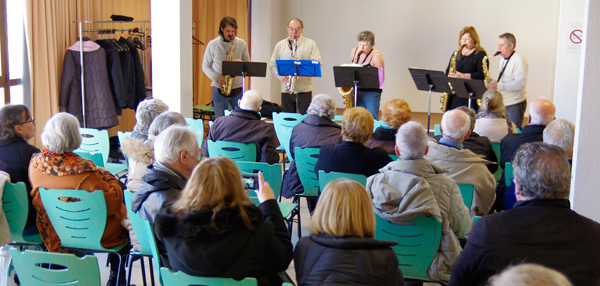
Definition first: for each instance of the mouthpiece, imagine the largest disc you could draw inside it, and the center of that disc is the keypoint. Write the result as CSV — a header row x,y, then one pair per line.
x,y
497,53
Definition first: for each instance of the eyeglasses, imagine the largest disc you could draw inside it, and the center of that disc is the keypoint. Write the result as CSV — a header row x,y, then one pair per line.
x,y
32,120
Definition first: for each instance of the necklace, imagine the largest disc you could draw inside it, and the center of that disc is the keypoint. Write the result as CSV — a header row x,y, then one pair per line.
x,y
468,52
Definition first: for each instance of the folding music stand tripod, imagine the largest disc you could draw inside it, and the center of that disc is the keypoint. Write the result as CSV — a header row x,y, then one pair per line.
x,y
432,81
244,69
364,77
468,88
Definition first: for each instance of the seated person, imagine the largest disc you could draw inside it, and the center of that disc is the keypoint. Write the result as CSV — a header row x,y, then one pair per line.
x,y
145,113
351,156
492,121
243,125
395,112
561,132
315,130
16,127
341,249
529,274
413,185
57,167
214,230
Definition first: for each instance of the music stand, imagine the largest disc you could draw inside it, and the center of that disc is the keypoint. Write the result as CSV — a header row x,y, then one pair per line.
x,y
468,88
244,69
432,81
365,77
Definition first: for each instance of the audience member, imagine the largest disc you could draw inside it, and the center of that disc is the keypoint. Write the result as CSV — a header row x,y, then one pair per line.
x,y
213,229
541,228
413,185
395,112
57,167
16,127
145,113
340,249
492,121
561,133
464,166
244,125
529,274
351,156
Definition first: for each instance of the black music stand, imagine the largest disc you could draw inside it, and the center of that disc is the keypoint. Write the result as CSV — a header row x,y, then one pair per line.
x,y
244,69
432,81
468,88
365,77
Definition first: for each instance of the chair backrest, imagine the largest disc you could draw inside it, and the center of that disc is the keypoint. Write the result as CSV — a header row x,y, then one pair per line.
x,y
122,136
95,141
78,216
196,125
436,130
153,248
377,123
338,119
496,147
508,173
137,222
325,178
306,158
394,157
418,242
180,278
283,123
271,173
234,150
95,157
32,268
16,209
466,191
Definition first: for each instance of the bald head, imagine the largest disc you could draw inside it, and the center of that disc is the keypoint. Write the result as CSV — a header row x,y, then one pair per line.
x,y
541,111
455,125
251,100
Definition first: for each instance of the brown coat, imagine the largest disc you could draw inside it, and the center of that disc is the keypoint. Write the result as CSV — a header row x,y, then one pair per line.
x,y
80,174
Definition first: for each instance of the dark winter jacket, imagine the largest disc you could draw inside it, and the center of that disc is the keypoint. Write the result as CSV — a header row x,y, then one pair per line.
x,y
351,157
115,74
330,260
138,84
385,138
225,247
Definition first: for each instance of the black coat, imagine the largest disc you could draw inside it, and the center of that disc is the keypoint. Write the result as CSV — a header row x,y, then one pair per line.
x,y
385,138
330,260
546,232
226,247
351,157
313,131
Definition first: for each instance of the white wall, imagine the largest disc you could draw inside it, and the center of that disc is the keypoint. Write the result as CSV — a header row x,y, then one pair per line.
x,y
418,34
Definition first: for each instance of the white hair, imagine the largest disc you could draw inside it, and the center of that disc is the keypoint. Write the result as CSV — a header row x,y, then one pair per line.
x,y
145,113
529,274
561,133
165,120
251,100
322,105
411,140
172,141
61,133
455,124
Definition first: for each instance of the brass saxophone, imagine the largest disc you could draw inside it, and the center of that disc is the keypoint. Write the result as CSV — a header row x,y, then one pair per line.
x,y
226,89
451,70
347,91
290,86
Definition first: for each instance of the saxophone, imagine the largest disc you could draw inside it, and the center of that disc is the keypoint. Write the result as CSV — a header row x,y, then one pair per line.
x,y
226,89
347,91
290,86
451,70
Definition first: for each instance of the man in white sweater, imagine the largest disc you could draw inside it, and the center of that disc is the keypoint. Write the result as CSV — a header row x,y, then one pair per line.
x,y
512,79
216,52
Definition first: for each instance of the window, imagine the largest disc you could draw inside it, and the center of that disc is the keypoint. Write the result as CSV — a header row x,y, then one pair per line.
x,y
12,51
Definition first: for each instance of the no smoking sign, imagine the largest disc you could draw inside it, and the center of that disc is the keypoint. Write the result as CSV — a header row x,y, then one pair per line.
x,y
576,37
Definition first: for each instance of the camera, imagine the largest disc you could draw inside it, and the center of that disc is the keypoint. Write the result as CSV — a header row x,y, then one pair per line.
x,y
250,181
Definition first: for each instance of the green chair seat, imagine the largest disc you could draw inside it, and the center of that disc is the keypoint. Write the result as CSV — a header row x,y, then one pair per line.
x,y
180,278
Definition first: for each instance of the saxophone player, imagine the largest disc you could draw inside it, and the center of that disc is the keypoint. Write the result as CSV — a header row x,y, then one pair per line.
x,y
467,63
365,55
224,47
295,97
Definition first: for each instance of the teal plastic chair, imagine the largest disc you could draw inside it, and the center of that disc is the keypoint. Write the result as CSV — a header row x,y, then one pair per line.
x,y
16,208
137,222
377,123
338,119
31,266
394,157
418,242
196,125
94,157
466,191
79,221
508,174
232,150
436,130
498,173
325,178
96,141
272,175
283,123
306,158
180,278
153,248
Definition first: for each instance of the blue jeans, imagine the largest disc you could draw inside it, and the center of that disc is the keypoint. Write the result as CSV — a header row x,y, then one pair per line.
x,y
221,102
370,100
515,113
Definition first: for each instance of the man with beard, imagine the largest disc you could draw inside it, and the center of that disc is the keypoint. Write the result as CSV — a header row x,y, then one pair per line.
x,y
218,50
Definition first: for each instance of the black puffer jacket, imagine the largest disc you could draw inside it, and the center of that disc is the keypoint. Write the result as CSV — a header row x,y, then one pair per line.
x,y
226,247
330,260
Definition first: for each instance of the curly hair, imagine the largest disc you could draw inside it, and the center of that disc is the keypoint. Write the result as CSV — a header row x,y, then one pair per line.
x,y
395,112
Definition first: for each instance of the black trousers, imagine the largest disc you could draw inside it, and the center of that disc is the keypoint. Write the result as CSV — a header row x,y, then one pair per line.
x,y
301,100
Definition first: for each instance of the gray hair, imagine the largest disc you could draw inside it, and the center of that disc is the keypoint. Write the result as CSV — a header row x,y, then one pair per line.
x,y
529,274
510,39
561,133
471,113
251,100
366,36
541,111
172,141
411,140
61,133
455,124
543,171
165,120
322,105
145,113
